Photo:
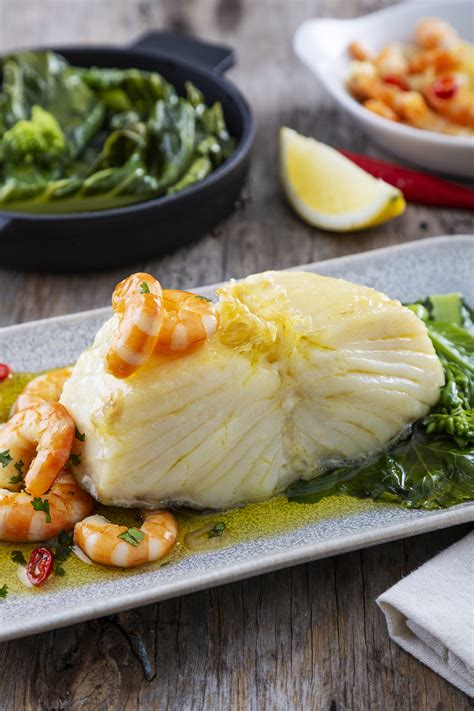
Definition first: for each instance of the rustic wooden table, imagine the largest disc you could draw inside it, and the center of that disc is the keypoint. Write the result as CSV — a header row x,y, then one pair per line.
x,y
310,637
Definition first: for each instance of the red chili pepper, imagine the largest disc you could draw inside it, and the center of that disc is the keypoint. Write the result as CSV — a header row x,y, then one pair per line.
x,y
397,81
5,371
445,88
416,186
40,565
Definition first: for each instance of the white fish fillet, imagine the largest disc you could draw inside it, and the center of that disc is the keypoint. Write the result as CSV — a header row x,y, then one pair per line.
x,y
304,372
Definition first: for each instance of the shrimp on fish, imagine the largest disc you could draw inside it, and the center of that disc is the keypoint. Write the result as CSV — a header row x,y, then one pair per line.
x,y
44,388
107,543
138,301
189,319
433,32
67,504
36,444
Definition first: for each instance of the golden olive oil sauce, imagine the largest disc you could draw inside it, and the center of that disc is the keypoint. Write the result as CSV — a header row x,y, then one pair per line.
x,y
252,521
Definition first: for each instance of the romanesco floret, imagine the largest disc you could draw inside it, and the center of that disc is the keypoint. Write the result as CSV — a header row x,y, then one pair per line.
x,y
39,140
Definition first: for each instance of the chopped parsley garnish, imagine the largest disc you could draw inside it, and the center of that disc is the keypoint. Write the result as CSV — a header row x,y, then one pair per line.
x,y
5,458
132,536
75,460
3,592
144,288
79,435
59,570
65,539
40,505
18,557
63,548
217,531
18,478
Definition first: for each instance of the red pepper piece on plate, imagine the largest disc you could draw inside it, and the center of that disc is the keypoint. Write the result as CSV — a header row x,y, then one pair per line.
x,y
5,371
40,565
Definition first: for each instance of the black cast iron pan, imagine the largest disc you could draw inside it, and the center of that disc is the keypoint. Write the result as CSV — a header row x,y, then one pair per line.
x,y
109,238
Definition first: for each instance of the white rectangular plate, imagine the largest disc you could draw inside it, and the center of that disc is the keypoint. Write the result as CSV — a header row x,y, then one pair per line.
x,y
406,272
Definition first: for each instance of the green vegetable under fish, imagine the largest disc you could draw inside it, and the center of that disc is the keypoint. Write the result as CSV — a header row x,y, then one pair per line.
x,y
75,139
434,467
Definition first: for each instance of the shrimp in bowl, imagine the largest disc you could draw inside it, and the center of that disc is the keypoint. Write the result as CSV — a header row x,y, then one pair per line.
x,y
428,85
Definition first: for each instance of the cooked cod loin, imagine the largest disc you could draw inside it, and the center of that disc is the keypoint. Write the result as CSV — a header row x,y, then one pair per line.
x,y
305,372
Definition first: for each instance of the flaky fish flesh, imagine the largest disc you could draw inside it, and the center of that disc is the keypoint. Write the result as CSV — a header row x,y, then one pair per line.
x,y
305,372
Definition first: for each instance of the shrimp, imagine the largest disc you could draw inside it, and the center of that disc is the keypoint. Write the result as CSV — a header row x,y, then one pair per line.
x,y
433,32
188,321
138,301
391,61
35,444
458,107
103,541
410,106
359,52
67,502
370,88
381,108
44,388
438,60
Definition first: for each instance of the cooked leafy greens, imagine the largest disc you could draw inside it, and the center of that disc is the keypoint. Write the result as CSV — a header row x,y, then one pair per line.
x,y
75,139
434,467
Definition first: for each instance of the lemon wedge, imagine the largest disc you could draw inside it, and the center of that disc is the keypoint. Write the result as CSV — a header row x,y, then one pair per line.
x,y
327,190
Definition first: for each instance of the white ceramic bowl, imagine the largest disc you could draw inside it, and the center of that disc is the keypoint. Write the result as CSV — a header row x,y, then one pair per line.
x,y
322,46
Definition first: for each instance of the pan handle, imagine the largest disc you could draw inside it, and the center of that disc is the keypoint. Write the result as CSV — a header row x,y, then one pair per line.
x,y
4,222
216,57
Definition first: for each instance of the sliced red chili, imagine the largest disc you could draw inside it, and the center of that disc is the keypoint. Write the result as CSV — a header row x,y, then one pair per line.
x,y
416,186
445,88
397,81
40,565
5,371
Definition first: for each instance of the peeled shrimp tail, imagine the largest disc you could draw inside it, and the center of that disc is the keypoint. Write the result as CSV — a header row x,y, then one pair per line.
x,y
100,540
45,388
37,443
138,302
20,522
189,320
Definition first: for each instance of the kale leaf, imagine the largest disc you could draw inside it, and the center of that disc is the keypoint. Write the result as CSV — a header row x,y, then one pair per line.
x,y
421,473
74,139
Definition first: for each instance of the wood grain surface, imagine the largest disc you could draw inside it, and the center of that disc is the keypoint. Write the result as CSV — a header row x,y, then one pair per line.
x,y
310,637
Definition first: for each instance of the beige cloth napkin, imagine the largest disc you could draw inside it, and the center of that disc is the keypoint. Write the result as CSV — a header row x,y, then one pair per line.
x,y
430,613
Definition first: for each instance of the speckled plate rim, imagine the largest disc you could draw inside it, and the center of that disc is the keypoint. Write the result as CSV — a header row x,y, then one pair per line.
x,y
228,570
276,561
